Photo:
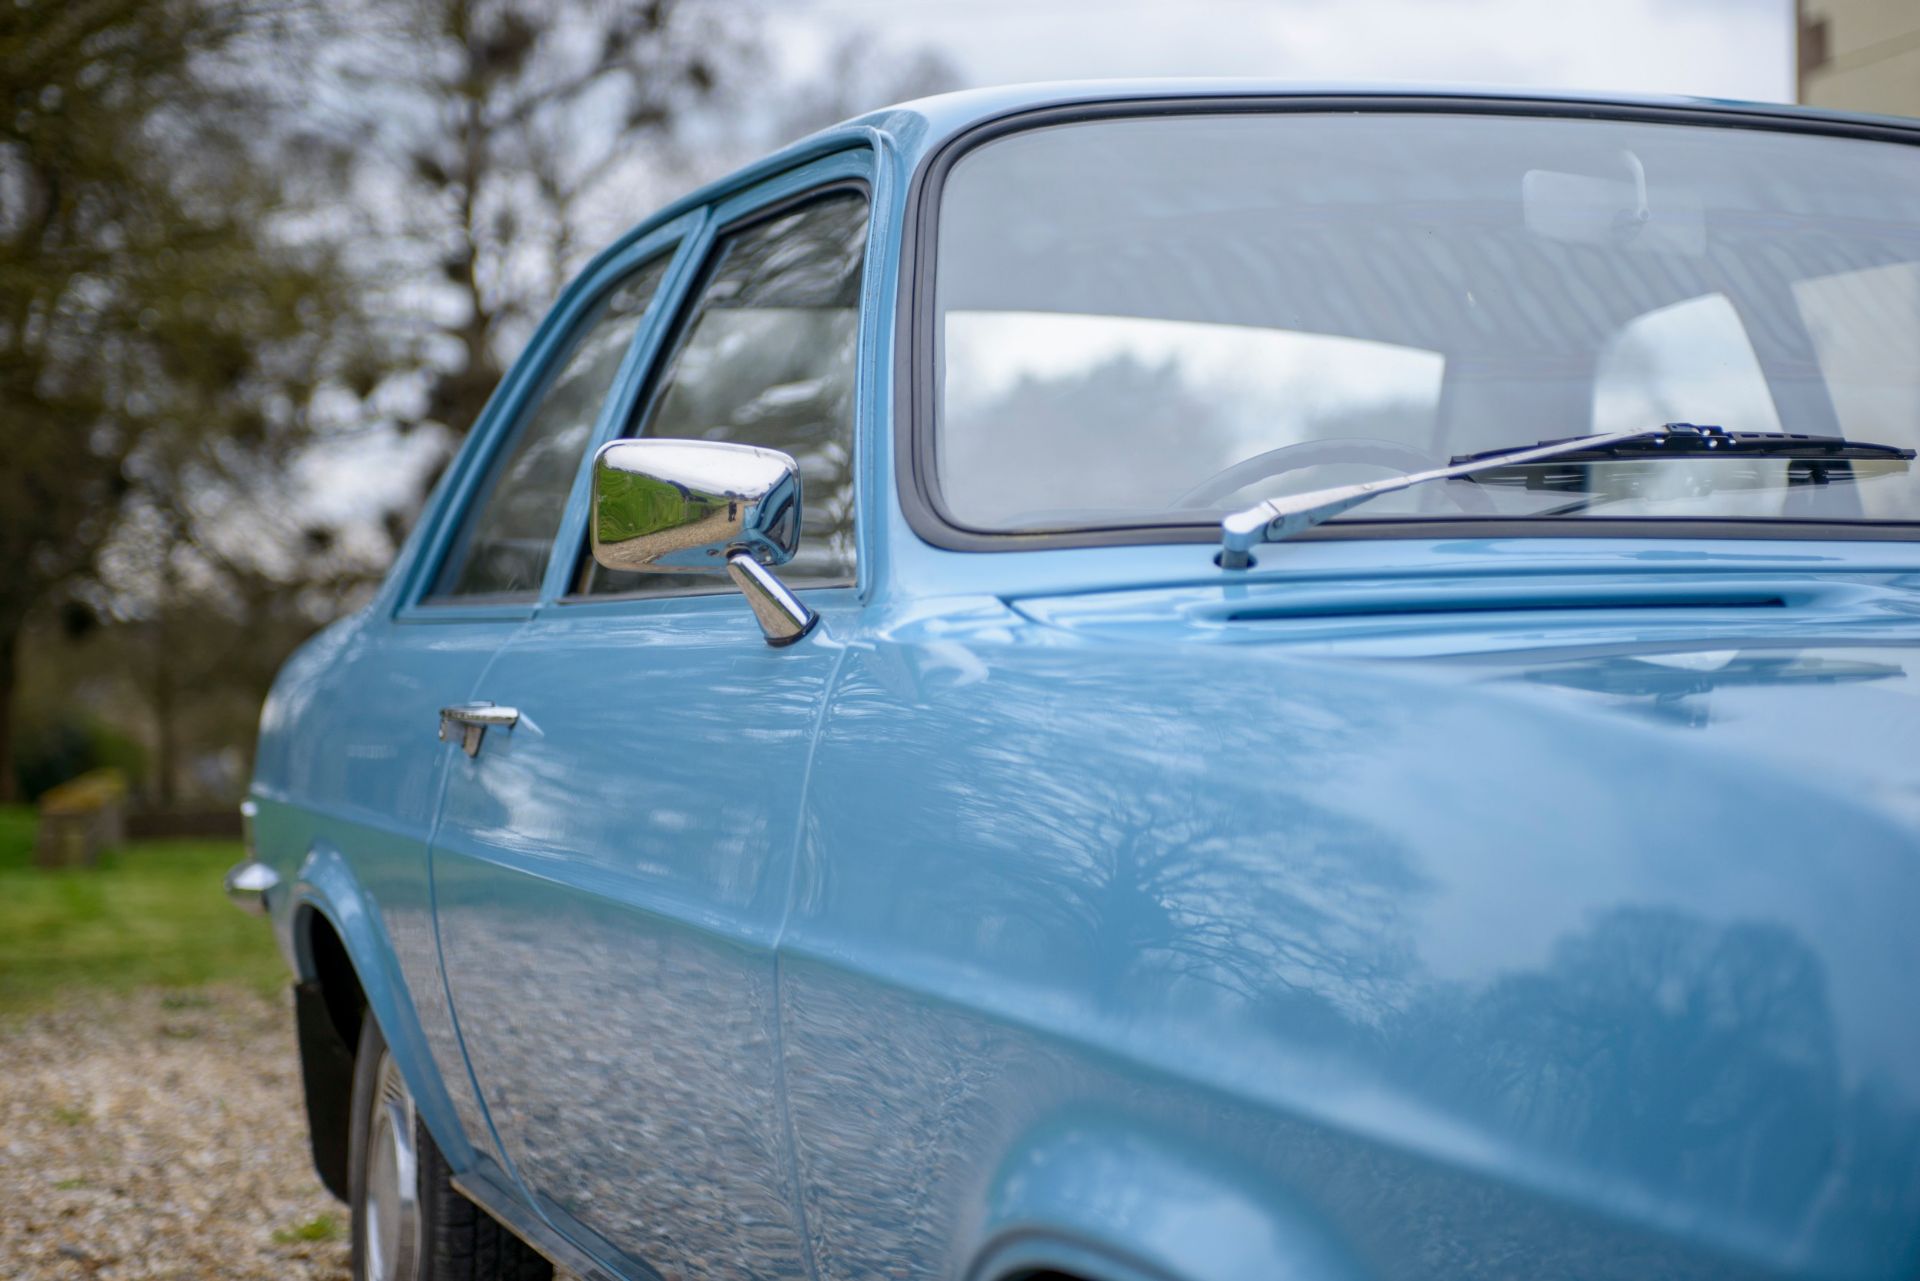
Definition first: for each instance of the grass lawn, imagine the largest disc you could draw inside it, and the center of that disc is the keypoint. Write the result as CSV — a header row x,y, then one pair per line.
x,y
152,914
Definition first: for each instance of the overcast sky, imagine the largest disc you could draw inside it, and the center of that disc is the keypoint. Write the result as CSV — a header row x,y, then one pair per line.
x,y
1720,48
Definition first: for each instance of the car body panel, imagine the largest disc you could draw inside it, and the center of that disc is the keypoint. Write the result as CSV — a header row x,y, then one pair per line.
x,y
1098,909
353,781
611,960
1259,890
647,943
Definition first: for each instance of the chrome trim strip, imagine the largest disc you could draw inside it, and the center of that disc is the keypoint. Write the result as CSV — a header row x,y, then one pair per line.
x,y
511,1213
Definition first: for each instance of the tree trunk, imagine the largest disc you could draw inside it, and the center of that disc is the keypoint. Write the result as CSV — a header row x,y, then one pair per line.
x,y
166,728
9,659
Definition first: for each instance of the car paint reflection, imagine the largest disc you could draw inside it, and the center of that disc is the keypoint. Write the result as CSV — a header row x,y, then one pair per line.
x,y
1444,1013
366,703
608,902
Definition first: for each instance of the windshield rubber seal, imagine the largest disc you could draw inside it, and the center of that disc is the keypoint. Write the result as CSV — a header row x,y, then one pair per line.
x,y
915,377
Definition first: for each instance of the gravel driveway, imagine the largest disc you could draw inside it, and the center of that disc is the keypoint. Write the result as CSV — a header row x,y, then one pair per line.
x,y
160,1135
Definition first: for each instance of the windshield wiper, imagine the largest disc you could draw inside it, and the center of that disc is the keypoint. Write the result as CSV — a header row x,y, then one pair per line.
x,y
1280,518
1687,440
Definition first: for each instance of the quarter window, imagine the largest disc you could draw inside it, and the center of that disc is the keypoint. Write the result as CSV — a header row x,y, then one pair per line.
x,y
766,356
501,551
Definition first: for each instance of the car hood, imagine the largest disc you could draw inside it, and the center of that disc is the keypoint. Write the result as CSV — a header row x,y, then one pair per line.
x,y
1604,884
1810,678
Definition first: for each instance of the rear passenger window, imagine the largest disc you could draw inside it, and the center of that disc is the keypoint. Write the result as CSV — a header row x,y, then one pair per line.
x,y
766,356
500,553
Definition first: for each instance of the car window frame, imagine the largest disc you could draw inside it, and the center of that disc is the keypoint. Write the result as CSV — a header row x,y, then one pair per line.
x,y
917,376
849,170
525,381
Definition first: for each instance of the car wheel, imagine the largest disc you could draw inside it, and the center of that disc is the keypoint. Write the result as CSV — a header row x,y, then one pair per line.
x,y
409,1223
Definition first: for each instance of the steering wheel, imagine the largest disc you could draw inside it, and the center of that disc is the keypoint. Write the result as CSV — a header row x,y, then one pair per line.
x,y
1404,459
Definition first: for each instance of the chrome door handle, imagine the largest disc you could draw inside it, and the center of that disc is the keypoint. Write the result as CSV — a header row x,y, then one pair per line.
x,y
474,720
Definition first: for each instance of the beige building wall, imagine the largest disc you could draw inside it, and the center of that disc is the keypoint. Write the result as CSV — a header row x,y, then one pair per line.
x,y
1860,55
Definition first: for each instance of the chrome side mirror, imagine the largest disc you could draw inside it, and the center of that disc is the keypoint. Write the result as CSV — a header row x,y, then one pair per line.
x,y
670,506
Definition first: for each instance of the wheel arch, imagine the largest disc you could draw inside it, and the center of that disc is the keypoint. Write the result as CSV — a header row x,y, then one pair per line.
x,y
329,1007
1095,1197
346,970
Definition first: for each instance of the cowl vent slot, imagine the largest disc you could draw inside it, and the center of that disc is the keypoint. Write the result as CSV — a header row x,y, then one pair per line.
x,y
1482,599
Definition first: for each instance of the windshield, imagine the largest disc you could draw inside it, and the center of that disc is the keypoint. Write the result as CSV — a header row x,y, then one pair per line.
x,y
1155,320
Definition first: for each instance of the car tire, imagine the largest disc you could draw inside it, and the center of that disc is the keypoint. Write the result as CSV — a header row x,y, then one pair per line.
x,y
409,1222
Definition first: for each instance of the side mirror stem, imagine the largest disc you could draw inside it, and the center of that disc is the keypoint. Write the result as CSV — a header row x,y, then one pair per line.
x,y
783,617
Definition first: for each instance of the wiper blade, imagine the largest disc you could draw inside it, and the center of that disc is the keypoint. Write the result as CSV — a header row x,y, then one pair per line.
x,y
1688,440
1280,518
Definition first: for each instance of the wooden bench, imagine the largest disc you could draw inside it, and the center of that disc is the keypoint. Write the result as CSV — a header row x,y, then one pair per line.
x,y
80,818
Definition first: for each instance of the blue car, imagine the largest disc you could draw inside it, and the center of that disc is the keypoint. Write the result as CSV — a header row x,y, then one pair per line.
x,y
1153,682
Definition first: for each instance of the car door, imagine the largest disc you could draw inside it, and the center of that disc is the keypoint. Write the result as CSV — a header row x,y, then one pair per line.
x,y
611,873
472,583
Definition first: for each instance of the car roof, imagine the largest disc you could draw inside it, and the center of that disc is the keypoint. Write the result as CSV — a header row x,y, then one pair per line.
x,y
949,112
914,129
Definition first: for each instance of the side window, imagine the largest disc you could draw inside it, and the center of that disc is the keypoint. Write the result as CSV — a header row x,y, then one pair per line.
x,y
766,356
501,550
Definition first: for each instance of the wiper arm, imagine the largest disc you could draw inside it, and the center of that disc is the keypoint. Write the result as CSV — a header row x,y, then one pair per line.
x,y
1280,518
